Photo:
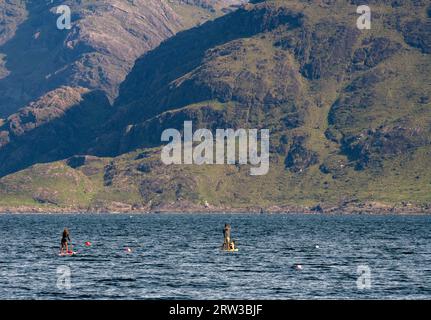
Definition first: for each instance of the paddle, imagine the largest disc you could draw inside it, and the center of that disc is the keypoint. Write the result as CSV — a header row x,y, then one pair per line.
x,y
71,247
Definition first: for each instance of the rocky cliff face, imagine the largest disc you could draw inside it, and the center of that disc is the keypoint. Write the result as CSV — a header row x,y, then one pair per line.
x,y
96,53
44,71
55,126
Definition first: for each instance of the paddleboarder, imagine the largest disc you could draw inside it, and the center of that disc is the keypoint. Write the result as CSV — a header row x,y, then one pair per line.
x,y
226,234
65,239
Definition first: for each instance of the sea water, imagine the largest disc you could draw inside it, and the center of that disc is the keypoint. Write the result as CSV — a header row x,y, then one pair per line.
x,y
178,256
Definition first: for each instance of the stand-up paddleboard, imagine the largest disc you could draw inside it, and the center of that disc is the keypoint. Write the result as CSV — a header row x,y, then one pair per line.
x,y
230,250
68,254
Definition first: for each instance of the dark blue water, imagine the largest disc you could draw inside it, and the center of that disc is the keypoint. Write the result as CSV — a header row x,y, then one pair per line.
x,y
178,256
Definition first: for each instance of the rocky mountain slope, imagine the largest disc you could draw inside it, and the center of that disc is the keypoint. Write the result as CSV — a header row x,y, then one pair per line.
x,y
348,110
43,69
96,53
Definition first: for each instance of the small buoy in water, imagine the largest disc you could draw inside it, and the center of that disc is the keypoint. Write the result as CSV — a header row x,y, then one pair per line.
x,y
128,250
88,244
298,267
317,246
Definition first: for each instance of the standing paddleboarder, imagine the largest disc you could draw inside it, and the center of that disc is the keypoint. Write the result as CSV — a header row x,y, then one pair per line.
x,y
226,234
65,239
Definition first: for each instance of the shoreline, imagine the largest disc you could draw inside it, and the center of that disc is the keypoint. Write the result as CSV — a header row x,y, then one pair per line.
x,y
362,209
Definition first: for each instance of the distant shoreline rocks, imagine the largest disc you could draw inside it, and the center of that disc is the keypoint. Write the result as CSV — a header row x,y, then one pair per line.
x,y
181,207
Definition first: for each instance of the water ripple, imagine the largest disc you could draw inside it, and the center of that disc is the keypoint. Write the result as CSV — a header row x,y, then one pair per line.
x,y
178,257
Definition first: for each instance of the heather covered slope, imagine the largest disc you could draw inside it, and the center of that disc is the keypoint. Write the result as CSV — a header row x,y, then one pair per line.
x,y
349,114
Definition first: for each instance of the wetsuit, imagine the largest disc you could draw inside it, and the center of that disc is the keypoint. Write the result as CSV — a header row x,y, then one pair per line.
x,y
64,240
